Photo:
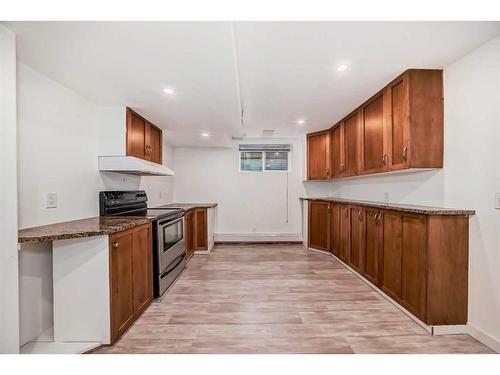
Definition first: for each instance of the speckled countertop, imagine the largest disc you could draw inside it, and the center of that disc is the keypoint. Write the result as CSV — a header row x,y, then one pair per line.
x,y
95,226
189,206
426,210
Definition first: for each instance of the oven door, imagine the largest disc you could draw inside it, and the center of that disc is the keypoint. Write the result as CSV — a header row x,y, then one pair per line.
x,y
170,241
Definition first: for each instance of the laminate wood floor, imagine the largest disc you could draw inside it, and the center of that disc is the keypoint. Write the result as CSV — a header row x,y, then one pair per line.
x,y
277,299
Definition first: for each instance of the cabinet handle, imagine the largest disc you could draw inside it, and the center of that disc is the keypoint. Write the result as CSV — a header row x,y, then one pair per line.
x,y
360,215
384,158
116,244
345,212
405,153
328,172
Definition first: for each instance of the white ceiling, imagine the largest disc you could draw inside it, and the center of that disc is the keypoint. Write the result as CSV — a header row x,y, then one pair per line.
x,y
282,71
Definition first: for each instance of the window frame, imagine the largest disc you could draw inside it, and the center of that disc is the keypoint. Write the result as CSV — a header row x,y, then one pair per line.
x,y
264,170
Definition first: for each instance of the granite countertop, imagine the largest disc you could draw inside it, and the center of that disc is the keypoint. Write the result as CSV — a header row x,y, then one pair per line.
x,y
427,210
95,226
189,206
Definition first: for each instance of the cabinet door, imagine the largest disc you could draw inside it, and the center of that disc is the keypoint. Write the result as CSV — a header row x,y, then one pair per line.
x,y
356,238
121,283
351,145
398,118
392,255
154,143
136,135
413,264
189,234
200,229
318,155
373,244
142,268
319,225
336,151
335,228
373,153
344,233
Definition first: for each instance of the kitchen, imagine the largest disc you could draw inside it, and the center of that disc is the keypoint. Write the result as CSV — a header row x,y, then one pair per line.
x,y
262,195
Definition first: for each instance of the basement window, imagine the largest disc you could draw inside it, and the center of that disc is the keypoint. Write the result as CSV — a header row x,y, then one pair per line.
x,y
264,158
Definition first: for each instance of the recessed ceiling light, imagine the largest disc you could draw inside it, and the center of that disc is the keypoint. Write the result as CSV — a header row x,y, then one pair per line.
x,y
168,91
342,67
205,134
301,122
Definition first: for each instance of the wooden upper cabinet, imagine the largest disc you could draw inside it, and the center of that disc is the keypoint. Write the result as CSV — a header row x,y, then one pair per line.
x,y
400,127
319,225
336,151
154,147
351,145
136,135
415,120
373,136
318,155
144,140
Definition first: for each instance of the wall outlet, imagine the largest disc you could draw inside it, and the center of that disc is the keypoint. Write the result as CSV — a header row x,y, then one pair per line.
x,y
51,200
386,196
497,201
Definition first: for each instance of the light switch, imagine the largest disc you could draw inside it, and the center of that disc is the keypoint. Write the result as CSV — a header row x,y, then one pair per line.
x,y
51,200
497,201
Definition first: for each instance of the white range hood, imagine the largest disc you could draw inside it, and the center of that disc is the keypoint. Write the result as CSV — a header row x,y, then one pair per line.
x,y
132,165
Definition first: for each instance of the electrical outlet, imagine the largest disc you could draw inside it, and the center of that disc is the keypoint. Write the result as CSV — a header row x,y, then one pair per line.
x,y
497,201
386,196
51,200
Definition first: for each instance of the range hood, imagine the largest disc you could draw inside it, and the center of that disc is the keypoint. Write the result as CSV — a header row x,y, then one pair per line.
x,y
132,165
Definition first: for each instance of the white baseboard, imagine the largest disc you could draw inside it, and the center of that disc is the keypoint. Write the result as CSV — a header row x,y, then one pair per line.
x,y
479,335
458,329
258,237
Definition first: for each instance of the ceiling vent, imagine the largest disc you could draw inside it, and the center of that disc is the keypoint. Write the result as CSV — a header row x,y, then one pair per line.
x,y
267,133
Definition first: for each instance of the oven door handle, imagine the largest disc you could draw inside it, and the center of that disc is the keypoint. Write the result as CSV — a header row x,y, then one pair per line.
x,y
162,223
172,266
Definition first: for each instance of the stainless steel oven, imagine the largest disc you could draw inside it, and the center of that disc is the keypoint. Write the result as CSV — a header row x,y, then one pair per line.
x,y
170,251
168,232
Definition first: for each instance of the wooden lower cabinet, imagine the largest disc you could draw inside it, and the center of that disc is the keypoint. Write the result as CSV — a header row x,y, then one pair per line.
x,y
130,277
404,260
189,234
357,238
319,225
344,233
200,219
419,260
373,227
198,230
335,212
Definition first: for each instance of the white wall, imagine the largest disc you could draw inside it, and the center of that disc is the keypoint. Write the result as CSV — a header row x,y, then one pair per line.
x,y
248,203
9,311
60,136
469,179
